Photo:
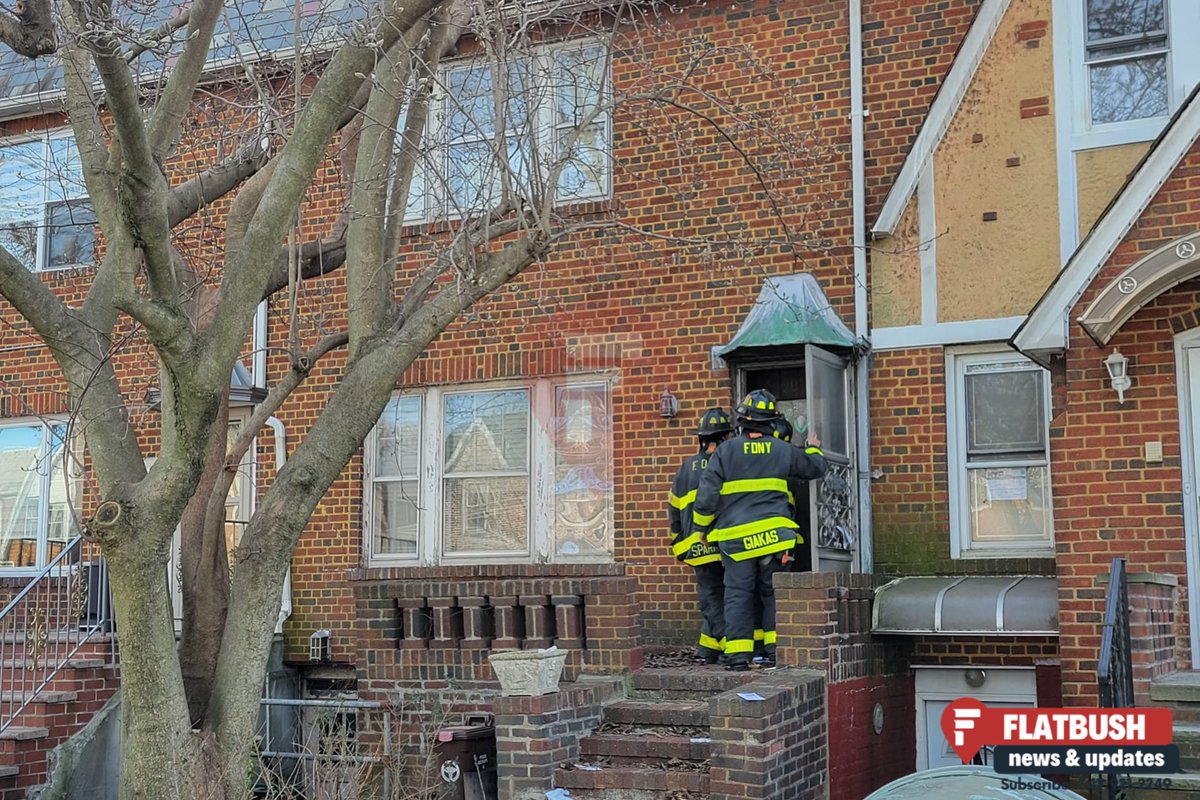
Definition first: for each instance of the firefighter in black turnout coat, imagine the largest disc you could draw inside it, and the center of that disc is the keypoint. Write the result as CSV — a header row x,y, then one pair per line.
x,y
714,428
743,506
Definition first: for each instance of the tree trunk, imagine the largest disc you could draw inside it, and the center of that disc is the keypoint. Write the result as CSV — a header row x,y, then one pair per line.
x,y
204,569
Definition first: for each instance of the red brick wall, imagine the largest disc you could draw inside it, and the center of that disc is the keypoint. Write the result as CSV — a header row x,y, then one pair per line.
x,y
1108,501
861,760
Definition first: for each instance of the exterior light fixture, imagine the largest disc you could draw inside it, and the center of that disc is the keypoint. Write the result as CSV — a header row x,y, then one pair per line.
x,y
1118,373
319,649
975,678
668,404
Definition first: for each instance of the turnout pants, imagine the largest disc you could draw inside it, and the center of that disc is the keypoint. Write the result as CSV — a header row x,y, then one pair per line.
x,y
710,583
749,605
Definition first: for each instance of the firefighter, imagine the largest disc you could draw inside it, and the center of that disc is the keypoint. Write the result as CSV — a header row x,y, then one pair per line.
x,y
714,428
744,506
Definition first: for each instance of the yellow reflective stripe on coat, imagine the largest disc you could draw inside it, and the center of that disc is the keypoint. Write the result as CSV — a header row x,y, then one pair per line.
x,y
681,547
700,560
750,528
813,451
739,646
758,485
709,642
682,503
778,547
702,519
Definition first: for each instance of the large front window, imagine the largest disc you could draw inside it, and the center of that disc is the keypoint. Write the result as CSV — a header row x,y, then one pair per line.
x,y
1126,57
1000,457
513,473
46,220
36,490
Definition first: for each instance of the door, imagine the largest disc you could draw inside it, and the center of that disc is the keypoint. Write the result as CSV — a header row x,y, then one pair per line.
x,y
833,509
1187,355
813,393
936,687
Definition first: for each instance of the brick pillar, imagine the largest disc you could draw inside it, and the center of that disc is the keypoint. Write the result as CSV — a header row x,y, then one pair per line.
x,y
508,634
537,621
534,735
415,620
1152,630
612,627
475,634
444,637
771,749
568,621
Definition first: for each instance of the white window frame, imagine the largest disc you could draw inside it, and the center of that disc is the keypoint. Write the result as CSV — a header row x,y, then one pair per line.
x,y
45,138
961,543
43,518
431,546
546,126
1183,72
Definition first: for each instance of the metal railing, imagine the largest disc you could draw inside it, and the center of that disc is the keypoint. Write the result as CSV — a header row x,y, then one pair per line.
x,y
330,749
1114,672
46,624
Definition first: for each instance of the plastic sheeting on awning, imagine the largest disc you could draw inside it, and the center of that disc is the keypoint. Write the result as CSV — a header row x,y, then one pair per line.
x,y
1012,605
790,310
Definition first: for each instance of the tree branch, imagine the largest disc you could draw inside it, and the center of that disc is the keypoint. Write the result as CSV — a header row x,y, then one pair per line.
x,y
218,180
163,130
31,32
158,34
316,259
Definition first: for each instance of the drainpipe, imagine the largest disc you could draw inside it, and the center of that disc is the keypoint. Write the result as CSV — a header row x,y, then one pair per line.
x,y
258,345
861,330
285,604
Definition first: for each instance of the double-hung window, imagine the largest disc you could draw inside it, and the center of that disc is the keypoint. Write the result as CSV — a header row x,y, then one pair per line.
x,y
997,414
1127,50
46,218
36,492
513,473
502,130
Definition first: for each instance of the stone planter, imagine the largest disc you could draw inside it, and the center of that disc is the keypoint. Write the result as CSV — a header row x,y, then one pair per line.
x,y
528,672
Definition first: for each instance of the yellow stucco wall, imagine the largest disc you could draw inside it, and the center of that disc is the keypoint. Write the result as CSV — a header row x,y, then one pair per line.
x,y
999,268
1100,173
896,273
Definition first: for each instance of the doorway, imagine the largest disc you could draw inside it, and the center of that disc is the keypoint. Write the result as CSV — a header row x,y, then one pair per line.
x,y
1187,370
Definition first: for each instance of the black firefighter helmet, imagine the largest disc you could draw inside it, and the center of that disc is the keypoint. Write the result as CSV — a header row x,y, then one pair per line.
x,y
714,422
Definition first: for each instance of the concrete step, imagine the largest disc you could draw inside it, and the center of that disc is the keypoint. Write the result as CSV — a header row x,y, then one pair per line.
x,y
47,696
1177,687
657,712
687,683
620,749
1187,738
614,779
21,733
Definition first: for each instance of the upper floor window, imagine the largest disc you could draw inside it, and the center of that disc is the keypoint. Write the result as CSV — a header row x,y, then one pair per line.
x,y
1126,55
997,420
36,492
501,130
511,473
46,218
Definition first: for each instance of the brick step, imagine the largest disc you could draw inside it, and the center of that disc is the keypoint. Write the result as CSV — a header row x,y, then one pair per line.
x,y
623,749
609,778
657,712
1187,737
687,683
622,794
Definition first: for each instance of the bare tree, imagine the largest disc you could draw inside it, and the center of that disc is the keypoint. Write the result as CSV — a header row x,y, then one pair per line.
x,y
523,131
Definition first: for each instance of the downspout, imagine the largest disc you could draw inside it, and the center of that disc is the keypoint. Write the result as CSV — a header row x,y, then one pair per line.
x,y
285,603
861,330
258,345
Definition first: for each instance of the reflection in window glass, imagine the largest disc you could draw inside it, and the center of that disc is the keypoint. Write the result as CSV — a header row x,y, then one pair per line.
x,y
397,472
486,468
34,494
583,485
1127,47
1004,412
43,205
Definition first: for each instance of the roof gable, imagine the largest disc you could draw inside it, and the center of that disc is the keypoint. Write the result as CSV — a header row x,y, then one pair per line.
x,y
1045,330
941,112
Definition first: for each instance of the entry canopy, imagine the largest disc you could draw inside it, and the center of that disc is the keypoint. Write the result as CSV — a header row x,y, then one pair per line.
x,y
1010,605
791,310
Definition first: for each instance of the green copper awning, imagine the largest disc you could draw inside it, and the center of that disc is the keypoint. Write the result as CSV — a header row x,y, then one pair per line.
x,y
791,310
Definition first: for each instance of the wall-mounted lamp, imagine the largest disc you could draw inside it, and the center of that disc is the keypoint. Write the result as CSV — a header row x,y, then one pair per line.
x,y
668,404
319,649
1118,372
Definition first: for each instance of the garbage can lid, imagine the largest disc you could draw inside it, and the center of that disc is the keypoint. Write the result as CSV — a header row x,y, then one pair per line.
x,y
460,732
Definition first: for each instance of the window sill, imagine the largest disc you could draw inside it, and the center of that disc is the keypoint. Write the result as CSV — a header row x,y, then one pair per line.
x,y
977,553
448,223
1119,133
477,571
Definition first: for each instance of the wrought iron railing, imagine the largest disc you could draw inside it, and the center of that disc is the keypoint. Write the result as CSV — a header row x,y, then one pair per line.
x,y
1114,672
46,624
